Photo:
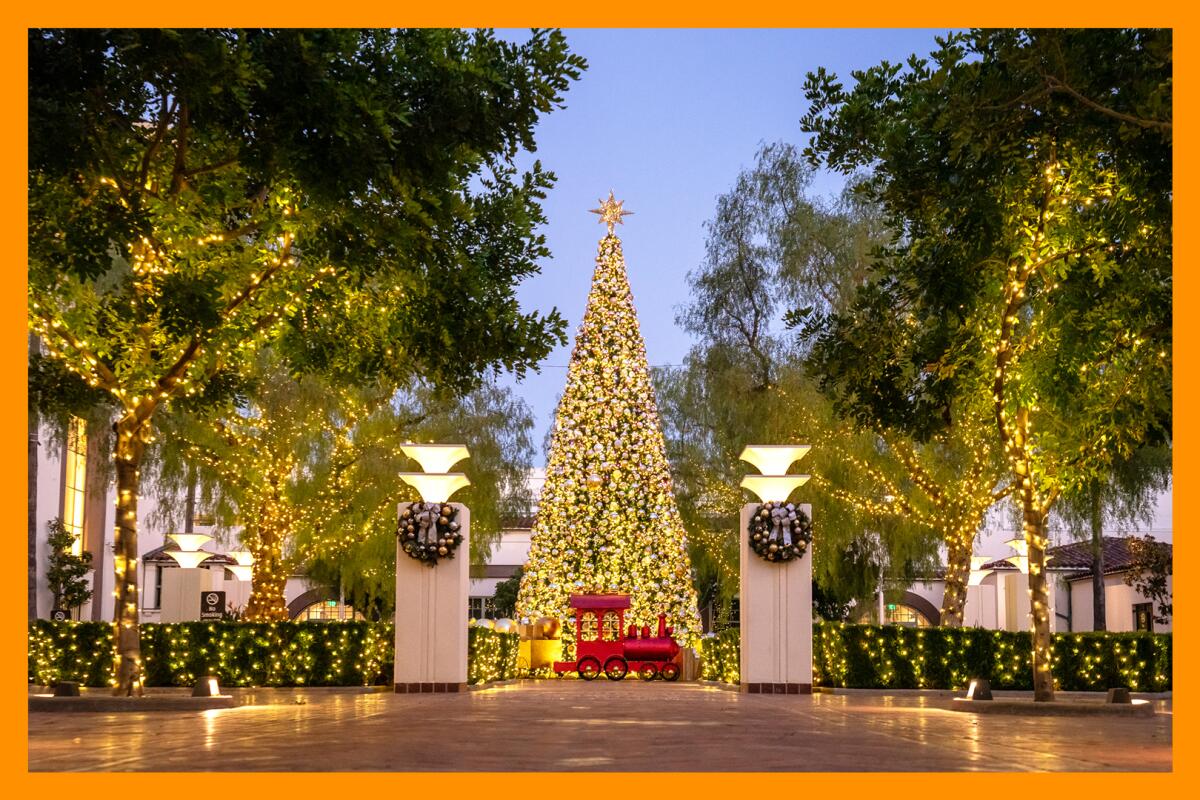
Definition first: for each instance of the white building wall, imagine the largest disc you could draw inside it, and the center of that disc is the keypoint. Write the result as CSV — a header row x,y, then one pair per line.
x,y
1119,601
49,506
931,591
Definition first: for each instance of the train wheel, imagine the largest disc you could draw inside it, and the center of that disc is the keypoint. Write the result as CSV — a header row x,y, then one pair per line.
x,y
589,668
648,672
616,668
670,672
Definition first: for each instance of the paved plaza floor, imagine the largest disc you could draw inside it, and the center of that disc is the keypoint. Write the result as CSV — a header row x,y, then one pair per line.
x,y
601,726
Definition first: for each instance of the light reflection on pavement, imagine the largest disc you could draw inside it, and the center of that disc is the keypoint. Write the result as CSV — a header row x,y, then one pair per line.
x,y
627,726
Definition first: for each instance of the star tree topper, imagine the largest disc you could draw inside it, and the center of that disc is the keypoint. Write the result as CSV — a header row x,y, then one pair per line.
x,y
610,211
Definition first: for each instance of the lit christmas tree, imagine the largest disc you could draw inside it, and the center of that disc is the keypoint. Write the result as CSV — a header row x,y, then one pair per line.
x,y
607,521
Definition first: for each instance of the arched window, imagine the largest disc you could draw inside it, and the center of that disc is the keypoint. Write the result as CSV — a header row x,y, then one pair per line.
x,y
588,626
327,611
901,614
611,627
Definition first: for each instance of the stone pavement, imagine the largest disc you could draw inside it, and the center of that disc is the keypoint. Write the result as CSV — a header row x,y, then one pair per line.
x,y
601,726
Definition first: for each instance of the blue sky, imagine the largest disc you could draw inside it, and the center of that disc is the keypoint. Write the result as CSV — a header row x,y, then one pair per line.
x,y
667,119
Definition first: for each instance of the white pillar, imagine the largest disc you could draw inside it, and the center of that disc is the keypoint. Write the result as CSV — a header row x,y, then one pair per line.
x,y
775,600
431,618
181,590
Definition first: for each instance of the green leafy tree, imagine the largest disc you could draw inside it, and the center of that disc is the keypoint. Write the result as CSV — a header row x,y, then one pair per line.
x,y
504,599
306,470
1029,176
193,193
356,547
1128,497
66,572
1149,573
777,257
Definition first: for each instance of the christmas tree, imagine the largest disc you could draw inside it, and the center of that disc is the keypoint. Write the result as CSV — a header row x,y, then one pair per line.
x,y
607,520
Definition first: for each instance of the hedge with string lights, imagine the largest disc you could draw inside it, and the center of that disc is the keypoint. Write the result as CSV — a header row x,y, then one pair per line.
x,y
491,655
896,657
247,654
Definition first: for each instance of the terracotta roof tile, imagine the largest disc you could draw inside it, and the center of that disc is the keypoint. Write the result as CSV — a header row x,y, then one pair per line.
x,y
1077,557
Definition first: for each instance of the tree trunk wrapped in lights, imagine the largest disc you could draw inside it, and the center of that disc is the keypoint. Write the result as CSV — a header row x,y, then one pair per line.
x,y
607,521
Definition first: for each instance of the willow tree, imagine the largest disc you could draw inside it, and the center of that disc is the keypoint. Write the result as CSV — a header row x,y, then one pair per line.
x,y
355,547
192,191
1127,496
1029,173
302,471
778,257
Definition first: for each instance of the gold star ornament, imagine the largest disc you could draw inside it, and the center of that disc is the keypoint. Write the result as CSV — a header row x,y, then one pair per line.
x,y
610,211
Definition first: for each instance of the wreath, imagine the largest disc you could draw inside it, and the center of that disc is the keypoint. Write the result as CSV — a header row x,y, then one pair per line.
x,y
429,531
780,531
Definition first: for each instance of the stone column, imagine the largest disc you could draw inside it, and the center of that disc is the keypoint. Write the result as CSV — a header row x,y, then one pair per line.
x,y
431,618
775,601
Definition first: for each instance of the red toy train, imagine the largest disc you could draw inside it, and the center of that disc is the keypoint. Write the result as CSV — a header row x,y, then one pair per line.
x,y
601,647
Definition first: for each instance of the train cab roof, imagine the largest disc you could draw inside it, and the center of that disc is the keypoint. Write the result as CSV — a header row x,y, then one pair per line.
x,y
600,602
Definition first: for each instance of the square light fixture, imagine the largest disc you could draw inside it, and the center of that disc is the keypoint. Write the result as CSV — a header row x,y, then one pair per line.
x,y
207,686
979,689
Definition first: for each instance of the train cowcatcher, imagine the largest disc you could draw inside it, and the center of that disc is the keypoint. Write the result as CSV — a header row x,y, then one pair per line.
x,y
602,644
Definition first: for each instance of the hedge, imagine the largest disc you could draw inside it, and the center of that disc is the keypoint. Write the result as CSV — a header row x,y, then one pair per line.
x,y
491,655
898,657
247,653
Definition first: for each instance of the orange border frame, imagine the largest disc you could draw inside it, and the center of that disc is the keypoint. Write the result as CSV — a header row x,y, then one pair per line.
x,y
656,13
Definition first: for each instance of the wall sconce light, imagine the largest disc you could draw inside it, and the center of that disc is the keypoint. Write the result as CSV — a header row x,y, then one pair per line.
x,y
243,572
435,488
436,458
189,555
435,484
977,573
773,461
773,487
1021,559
